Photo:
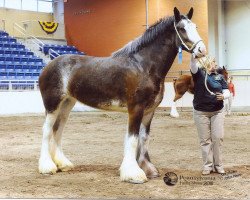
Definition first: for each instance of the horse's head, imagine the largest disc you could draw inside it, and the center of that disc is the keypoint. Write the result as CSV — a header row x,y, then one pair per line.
x,y
224,72
187,35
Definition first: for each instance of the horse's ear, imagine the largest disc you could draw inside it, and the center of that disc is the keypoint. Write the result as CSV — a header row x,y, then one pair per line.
x,y
177,15
190,13
223,67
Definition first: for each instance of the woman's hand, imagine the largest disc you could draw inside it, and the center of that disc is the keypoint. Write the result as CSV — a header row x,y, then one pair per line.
x,y
219,96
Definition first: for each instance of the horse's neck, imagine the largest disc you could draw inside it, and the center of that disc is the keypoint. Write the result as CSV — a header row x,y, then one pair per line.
x,y
159,57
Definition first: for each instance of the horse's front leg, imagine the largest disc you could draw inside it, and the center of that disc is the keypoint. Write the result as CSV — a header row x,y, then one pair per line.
x,y
130,170
142,155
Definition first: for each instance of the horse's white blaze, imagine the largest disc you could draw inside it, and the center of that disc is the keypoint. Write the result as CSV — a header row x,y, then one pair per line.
x,y
174,112
130,170
194,37
46,164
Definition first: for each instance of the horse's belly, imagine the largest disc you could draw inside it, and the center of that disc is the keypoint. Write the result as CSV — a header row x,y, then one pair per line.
x,y
113,105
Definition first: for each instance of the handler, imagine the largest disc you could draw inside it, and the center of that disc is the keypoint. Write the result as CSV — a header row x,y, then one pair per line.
x,y
208,113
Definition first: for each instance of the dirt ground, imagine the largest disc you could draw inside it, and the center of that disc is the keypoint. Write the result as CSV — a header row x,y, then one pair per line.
x,y
93,141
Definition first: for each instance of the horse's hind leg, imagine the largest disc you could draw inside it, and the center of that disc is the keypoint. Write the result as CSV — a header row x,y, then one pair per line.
x,y
46,164
142,154
56,151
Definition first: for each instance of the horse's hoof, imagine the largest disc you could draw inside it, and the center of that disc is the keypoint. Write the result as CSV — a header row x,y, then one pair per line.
x,y
137,178
65,168
174,115
132,174
149,169
47,166
152,175
63,164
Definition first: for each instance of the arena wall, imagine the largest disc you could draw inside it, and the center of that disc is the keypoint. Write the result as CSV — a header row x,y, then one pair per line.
x,y
228,31
12,16
31,102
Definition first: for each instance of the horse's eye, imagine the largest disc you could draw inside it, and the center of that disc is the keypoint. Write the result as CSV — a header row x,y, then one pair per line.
x,y
182,29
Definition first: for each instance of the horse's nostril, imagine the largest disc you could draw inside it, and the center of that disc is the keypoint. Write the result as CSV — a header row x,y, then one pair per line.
x,y
199,49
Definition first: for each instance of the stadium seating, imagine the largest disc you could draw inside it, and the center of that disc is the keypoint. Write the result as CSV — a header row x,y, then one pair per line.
x,y
60,50
18,65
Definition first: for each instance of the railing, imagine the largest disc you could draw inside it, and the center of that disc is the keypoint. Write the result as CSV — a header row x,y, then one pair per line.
x,y
237,74
18,85
52,53
2,24
21,30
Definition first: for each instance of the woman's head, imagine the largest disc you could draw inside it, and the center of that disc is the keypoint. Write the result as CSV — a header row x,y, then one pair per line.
x,y
208,63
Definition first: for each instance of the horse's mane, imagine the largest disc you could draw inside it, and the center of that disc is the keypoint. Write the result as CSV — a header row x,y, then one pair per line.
x,y
147,37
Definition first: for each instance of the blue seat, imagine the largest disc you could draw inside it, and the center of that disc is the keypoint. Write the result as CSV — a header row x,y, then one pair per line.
x,y
2,68
9,58
35,76
24,59
17,59
19,68
12,75
20,76
28,76
33,69
10,68
3,75
26,68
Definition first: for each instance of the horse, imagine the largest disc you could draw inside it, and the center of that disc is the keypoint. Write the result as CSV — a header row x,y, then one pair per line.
x,y
129,80
184,84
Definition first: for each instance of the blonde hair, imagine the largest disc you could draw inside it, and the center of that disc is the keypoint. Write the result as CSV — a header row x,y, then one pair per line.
x,y
205,62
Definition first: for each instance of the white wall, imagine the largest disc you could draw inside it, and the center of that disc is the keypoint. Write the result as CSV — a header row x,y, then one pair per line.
x,y
216,31
229,41
31,102
27,102
237,24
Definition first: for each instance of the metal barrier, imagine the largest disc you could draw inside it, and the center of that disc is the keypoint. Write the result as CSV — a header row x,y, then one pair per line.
x,y
237,74
2,24
52,53
21,30
18,85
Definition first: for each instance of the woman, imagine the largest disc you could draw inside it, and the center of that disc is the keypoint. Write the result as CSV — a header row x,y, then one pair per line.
x,y
208,113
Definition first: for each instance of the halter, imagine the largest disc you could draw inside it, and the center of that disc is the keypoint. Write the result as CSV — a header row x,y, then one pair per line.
x,y
183,43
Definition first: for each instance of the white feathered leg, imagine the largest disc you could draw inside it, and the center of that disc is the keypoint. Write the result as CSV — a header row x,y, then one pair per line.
x,y
174,113
46,164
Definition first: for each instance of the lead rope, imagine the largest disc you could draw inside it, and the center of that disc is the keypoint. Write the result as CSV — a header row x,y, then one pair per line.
x,y
205,66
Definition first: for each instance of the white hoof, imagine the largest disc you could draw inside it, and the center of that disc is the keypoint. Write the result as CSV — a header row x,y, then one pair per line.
x,y
63,163
47,166
132,173
174,114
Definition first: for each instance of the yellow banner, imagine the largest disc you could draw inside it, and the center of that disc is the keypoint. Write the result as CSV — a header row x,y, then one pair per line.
x,y
48,27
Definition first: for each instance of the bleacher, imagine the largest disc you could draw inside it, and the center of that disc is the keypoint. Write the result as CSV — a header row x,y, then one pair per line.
x,y
19,67
59,50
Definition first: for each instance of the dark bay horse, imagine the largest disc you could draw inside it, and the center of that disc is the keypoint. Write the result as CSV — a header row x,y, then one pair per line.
x,y
184,84
131,80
